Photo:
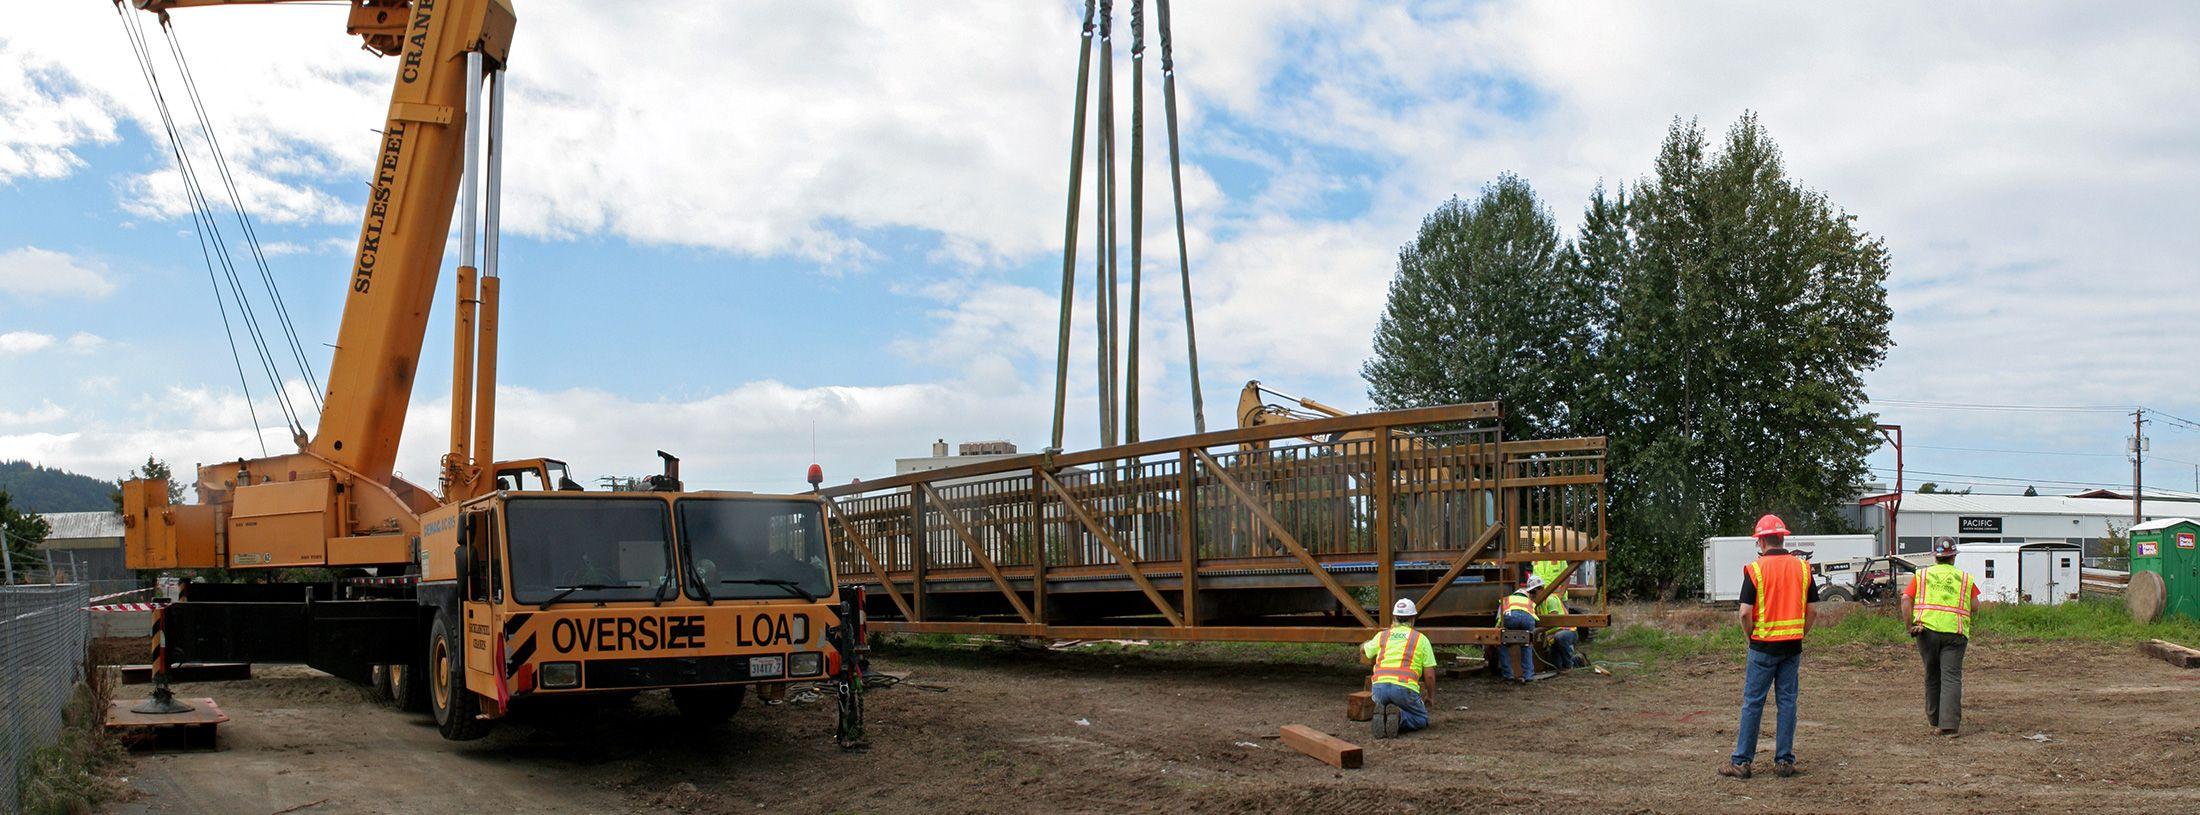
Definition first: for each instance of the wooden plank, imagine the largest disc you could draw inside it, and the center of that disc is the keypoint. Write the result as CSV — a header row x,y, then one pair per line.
x,y
1335,752
1187,533
1122,557
1386,564
977,553
1475,411
2172,653
1359,706
1283,536
855,537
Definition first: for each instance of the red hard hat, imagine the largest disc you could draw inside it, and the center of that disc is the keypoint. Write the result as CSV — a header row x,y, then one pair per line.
x,y
1771,525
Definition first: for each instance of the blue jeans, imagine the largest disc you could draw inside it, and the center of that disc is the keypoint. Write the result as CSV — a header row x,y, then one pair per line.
x,y
1562,649
1412,712
1779,673
1520,621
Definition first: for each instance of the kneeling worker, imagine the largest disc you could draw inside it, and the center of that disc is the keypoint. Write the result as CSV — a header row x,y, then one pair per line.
x,y
1517,613
1564,640
1404,684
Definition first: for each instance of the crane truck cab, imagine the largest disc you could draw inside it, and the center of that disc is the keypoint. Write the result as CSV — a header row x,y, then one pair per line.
x,y
547,593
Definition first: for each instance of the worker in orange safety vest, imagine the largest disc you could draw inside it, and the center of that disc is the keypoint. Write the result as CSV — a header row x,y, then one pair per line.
x,y
1938,603
1777,593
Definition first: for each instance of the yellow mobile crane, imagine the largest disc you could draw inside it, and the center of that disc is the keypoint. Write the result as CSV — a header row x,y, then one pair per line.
x,y
508,582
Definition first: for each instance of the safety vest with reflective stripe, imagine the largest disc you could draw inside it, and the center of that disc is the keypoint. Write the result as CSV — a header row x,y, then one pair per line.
x,y
1519,601
1394,658
1943,601
1553,605
1783,593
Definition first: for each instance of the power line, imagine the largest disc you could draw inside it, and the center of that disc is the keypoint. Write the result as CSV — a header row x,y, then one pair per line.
x,y
1909,403
2018,452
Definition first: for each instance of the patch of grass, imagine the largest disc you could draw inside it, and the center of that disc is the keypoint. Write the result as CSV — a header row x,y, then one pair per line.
x,y
1659,634
70,776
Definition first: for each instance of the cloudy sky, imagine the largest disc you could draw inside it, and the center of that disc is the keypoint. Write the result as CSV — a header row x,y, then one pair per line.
x,y
761,234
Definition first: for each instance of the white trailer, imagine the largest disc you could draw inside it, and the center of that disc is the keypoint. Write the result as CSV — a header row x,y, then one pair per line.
x,y
1723,558
2042,573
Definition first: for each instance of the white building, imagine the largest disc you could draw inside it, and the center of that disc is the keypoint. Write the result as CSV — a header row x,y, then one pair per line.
x,y
2014,519
969,452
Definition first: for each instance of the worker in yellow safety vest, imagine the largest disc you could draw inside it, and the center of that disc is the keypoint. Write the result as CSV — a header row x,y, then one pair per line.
x,y
1564,640
1777,593
1938,603
1517,613
1404,684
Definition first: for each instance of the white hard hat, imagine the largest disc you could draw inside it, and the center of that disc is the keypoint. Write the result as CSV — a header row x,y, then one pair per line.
x,y
1405,608
1535,581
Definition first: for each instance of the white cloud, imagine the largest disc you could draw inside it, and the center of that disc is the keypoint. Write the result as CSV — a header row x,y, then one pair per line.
x,y
84,342
24,342
46,412
33,272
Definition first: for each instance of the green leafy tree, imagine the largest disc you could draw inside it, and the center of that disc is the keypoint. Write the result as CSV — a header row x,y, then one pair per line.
x,y
1477,312
1928,488
1749,309
24,532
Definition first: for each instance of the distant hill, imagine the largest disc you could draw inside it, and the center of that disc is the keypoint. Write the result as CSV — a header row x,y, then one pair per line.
x,y
33,488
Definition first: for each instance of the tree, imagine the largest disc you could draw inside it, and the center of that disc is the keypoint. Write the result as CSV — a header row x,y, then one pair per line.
x,y
23,531
153,468
1749,309
1476,312
1928,488
2031,492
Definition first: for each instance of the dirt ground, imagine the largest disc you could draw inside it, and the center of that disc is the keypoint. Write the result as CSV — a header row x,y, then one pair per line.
x,y
1149,732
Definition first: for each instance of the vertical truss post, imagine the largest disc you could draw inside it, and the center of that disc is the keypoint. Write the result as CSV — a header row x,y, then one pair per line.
x,y
1386,561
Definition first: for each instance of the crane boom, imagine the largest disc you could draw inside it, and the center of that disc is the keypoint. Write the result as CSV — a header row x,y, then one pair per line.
x,y
338,499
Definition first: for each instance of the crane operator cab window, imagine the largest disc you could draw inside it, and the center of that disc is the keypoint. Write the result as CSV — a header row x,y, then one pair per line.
x,y
551,475
754,549
588,550
484,567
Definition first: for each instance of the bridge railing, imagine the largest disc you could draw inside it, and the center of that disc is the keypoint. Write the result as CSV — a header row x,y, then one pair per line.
x,y
1351,512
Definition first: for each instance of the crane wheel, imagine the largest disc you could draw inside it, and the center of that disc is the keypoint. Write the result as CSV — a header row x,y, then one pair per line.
x,y
378,684
408,687
456,708
709,705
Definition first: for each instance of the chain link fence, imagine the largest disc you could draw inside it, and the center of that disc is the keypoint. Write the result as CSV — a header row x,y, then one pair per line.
x,y
44,636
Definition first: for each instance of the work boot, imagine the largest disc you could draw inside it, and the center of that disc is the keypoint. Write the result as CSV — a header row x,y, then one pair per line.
x,y
1950,732
1378,726
1783,769
1730,769
1392,719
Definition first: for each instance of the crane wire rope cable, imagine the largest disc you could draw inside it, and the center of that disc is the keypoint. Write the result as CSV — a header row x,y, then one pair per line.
x,y
152,84
1176,184
203,210
1069,227
1138,186
196,192
244,218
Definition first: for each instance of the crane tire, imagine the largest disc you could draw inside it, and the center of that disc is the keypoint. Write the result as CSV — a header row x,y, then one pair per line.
x,y
456,708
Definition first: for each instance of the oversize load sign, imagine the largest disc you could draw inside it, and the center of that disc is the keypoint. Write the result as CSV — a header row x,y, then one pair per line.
x,y
1970,525
654,633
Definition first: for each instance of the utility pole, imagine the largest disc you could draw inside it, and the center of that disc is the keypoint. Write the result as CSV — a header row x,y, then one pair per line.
x,y
2138,461
7,556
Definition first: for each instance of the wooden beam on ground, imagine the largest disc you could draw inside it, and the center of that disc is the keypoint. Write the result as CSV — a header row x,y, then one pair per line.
x,y
977,552
1123,558
1460,563
2173,653
1283,536
1335,752
855,538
